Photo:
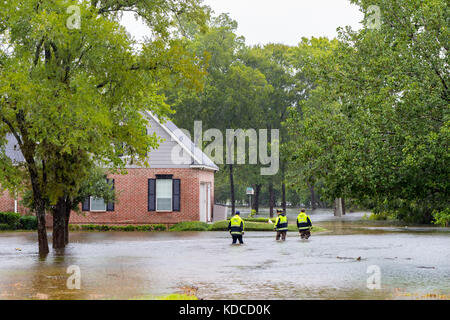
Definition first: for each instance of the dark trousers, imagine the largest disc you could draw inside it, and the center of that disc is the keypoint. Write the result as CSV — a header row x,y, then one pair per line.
x,y
237,237
305,234
281,234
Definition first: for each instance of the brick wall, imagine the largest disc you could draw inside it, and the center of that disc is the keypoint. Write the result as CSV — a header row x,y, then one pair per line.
x,y
132,193
132,205
6,201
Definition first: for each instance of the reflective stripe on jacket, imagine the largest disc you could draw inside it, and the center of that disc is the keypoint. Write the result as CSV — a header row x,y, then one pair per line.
x,y
236,225
303,221
281,224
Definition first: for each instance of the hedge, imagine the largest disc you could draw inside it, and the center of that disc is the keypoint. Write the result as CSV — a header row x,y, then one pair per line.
x,y
92,227
11,219
190,226
28,223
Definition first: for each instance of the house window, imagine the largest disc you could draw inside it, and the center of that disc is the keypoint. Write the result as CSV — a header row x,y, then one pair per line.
x,y
164,194
97,204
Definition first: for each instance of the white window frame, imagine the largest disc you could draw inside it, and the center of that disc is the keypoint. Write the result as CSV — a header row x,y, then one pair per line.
x,y
156,196
90,205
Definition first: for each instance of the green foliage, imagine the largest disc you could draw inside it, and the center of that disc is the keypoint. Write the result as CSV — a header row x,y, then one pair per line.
x,y
252,213
76,97
376,122
4,227
11,219
28,223
190,226
379,216
128,228
442,217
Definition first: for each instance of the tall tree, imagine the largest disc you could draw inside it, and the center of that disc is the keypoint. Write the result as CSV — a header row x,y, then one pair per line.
x,y
74,84
376,126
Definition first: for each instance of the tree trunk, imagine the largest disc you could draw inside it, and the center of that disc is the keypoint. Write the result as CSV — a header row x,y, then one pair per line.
x,y
66,229
271,196
39,207
255,204
59,224
339,207
313,196
42,230
233,205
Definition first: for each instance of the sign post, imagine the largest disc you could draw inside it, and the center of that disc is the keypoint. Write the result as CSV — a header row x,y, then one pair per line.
x,y
250,192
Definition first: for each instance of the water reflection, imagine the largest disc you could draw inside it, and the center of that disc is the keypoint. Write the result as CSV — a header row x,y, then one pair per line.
x,y
331,265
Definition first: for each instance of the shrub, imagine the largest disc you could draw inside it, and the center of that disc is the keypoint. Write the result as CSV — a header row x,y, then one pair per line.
x,y
159,227
12,219
442,217
190,226
28,222
129,228
381,216
4,226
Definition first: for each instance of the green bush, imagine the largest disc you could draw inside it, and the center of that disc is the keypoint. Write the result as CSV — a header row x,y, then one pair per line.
x,y
442,217
28,222
159,227
4,226
381,216
129,228
219,226
190,226
11,219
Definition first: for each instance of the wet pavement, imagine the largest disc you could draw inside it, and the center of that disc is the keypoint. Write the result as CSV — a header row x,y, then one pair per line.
x,y
414,262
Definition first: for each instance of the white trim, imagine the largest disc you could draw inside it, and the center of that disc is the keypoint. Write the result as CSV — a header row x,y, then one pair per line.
x,y
202,167
175,138
156,196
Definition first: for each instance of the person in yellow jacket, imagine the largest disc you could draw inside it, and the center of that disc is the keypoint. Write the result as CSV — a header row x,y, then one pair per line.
x,y
236,228
304,224
281,225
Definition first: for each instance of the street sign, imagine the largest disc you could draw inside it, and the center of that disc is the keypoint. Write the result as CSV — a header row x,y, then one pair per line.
x,y
250,191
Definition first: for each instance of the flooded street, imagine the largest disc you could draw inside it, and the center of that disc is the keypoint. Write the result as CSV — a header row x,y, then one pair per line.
x,y
414,262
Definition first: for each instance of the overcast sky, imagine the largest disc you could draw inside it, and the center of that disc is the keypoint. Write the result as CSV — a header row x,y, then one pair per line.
x,y
281,21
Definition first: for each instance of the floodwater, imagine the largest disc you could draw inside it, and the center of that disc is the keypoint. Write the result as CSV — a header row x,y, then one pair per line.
x,y
413,263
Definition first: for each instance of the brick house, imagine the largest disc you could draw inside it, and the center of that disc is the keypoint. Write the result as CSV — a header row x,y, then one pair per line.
x,y
177,186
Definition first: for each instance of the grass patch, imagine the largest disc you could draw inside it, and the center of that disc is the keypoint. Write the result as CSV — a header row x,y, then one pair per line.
x,y
175,296
382,216
190,226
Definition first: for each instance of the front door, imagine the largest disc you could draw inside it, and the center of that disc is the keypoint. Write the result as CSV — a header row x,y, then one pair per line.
x,y
205,202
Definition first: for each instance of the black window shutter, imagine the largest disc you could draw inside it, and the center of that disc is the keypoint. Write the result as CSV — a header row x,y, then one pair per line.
x,y
176,192
151,194
85,206
110,205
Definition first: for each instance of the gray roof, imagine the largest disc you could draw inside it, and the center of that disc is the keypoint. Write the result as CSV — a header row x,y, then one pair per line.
x,y
12,149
